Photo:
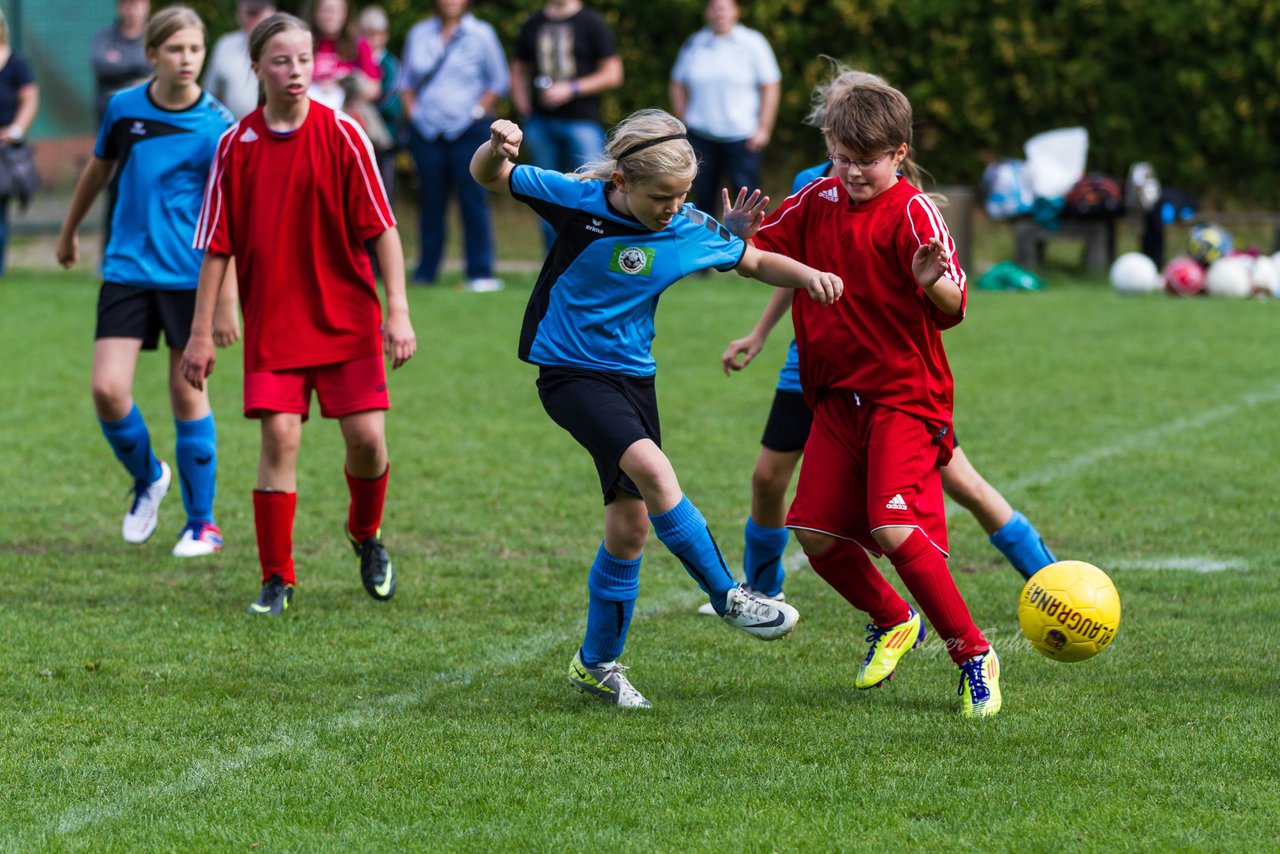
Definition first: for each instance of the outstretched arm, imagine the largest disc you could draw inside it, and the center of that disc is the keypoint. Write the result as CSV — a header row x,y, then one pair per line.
x,y
491,164
741,351
783,272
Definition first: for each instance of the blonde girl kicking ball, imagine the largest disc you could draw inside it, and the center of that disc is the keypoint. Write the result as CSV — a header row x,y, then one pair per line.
x,y
293,195
623,236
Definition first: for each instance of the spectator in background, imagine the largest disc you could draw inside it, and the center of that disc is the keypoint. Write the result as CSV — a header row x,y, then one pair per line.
x,y
19,100
725,86
565,59
340,54
229,74
374,30
453,75
118,58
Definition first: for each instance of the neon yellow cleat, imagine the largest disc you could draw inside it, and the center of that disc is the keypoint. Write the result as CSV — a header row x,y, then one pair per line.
x,y
980,685
888,645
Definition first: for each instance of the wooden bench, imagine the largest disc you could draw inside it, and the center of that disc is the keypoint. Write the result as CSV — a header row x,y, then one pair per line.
x,y
1098,236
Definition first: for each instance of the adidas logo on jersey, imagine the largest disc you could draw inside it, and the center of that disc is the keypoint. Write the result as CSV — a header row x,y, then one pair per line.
x,y
248,135
138,129
830,194
896,503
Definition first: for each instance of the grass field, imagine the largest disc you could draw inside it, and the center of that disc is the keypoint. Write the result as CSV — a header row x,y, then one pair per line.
x,y
144,710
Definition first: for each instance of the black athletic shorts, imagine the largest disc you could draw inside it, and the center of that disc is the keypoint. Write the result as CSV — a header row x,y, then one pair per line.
x,y
789,421
606,414
126,311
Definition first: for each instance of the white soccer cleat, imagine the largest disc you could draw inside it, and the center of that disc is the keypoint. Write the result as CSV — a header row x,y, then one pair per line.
x,y
606,683
141,520
706,609
766,619
198,539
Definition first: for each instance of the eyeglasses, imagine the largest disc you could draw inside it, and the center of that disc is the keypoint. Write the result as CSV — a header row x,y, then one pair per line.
x,y
841,162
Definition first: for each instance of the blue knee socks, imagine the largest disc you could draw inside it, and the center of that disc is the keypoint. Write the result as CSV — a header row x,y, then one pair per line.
x,y
1022,546
762,559
683,530
613,584
131,441
197,455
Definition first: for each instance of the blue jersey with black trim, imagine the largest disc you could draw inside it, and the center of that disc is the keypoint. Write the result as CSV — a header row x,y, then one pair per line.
x,y
594,302
789,376
162,162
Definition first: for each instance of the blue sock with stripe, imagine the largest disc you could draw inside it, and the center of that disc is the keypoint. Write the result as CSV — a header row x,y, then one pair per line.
x,y
762,558
131,441
684,531
1022,545
197,455
613,584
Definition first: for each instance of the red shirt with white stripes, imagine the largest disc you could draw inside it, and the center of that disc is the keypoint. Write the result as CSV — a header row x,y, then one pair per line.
x,y
881,341
295,210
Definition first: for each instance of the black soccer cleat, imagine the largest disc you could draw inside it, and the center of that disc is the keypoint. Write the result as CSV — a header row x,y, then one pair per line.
x,y
274,598
376,571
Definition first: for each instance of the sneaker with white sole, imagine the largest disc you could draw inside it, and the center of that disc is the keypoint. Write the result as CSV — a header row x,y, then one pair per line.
x,y
980,685
606,682
766,619
706,609
141,520
198,539
484,286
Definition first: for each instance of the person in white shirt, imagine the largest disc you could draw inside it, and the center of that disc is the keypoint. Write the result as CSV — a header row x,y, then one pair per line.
x,y
725,86
228,75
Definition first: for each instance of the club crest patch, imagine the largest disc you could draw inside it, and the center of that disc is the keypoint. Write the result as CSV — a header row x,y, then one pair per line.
x,y
632,260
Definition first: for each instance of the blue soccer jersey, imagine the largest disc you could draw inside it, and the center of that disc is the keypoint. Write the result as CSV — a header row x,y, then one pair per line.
x,y
594,302
162,161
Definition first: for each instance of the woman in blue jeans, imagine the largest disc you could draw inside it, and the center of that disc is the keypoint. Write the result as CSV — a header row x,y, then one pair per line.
x,y
453,73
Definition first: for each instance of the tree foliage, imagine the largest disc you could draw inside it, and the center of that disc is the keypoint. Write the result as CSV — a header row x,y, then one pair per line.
x,y
1190,85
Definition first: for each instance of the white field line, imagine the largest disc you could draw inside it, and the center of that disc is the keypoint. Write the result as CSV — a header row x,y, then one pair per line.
x,y
1181,563
211,771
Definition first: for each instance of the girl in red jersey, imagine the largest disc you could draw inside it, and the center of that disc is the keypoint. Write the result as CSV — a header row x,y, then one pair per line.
x,y
875,374
294,194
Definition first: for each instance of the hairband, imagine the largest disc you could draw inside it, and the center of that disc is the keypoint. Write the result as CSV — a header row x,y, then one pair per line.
x,y
641,146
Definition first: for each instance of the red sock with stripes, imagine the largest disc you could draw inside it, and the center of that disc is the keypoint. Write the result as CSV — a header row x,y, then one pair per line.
x,y
368,495
925,572
847,568
273,518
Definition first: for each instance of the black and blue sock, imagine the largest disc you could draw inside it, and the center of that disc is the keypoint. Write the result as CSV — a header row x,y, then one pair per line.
x,y
684,531
131,441
613,584
1022,545
762,557
197,455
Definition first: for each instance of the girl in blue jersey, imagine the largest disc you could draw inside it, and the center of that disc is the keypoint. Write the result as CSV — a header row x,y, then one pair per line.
x,y
155,146
765,535
623,236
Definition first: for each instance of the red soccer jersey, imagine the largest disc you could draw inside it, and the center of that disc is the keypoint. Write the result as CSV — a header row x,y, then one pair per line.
x,y
295,210
881,340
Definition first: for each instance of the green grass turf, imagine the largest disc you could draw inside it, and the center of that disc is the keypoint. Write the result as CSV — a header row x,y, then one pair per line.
x,y
144,710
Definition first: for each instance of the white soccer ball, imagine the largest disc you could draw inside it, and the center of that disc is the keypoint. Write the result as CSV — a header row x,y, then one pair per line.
x,y
1229,277
1265,276
1135,273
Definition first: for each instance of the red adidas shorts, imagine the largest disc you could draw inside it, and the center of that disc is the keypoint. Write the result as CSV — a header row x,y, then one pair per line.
x,y
867,467
343,388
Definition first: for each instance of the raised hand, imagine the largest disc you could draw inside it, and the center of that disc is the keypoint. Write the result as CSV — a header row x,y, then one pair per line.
x,y
745,214
930,263
506,137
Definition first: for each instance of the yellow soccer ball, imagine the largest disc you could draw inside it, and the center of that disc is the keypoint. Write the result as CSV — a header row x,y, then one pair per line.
x,y
1069,611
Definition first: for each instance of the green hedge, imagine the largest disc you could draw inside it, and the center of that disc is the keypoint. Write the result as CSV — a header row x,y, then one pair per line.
x,y
1191,85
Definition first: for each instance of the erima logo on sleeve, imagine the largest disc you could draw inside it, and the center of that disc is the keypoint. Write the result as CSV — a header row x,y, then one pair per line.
x,y
138,129
632,260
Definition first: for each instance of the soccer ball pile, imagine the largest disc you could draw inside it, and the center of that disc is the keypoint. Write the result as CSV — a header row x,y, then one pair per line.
x,y
1211,266
1069,611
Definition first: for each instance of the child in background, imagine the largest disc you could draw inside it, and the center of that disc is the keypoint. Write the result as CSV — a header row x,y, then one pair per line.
x,y
765,535
157,140
875,375
294,195
623,236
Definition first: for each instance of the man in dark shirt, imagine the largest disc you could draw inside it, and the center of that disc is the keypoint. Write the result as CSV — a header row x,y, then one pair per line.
x,y
119,60
565,59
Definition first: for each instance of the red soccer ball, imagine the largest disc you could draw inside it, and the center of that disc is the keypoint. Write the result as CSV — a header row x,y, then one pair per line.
x,y
1184,277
